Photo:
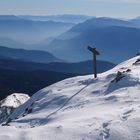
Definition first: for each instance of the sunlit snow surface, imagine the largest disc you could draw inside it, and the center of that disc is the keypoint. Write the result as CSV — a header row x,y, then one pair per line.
x,y
10,103
82,108
14,100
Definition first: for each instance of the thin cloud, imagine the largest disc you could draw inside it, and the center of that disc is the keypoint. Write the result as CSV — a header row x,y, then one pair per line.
x,y
118,1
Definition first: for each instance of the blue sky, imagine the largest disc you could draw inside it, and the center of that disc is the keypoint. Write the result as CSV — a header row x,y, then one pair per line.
x,y
111,8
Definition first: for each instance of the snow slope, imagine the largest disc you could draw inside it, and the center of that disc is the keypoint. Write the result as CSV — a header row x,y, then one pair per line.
x,y
10,103
82,108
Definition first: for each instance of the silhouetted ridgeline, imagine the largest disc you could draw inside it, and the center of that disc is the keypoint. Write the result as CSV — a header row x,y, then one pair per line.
x,y
85,67
27,55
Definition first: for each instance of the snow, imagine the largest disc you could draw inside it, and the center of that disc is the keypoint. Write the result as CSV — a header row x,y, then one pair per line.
x,y
10,103
82,108
14,100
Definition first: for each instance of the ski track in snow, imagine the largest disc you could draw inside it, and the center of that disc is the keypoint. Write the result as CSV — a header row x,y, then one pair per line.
x,y
53,113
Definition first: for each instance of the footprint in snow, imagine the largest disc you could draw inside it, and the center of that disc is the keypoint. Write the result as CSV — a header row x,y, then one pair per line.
x,y
126,114
105,131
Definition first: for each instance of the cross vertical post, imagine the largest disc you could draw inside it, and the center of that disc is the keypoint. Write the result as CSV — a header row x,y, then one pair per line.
x,y
94,65
94,52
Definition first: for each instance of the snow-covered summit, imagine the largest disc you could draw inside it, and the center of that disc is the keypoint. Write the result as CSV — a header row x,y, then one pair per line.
x,y
84,108
14,100
10,103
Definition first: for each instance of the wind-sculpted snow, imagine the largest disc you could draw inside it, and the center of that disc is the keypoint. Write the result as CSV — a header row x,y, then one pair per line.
x,y
82,108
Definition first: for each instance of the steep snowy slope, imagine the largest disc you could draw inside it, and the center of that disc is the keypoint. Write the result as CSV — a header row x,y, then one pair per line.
x,y
10,103
82,108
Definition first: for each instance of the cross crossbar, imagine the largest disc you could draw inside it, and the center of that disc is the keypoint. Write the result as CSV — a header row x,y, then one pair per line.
x,y
93,50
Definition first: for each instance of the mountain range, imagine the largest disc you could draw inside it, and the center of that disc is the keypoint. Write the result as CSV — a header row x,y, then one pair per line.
x,y
85,67
29,31
112,37
68,18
